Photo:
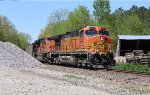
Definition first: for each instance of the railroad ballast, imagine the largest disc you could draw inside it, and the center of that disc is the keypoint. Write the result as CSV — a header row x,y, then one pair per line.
x,y
91,46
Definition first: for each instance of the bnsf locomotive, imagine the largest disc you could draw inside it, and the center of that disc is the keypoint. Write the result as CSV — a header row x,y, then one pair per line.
x,y
90,46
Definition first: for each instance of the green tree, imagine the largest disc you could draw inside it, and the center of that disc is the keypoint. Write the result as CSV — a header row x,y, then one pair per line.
x,y
101,10
56,19
119,12
8,33
56,23
60,24
144,14
24,40
58,16
79,18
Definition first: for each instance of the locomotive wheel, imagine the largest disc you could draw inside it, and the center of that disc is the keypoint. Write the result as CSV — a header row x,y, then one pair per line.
x,y
95,59
107,66
57,60
88,65
49,62
79,64
93,67
52,61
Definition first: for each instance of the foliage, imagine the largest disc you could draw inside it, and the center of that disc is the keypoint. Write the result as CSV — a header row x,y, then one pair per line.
x,y
24,40
135,21
57,23
58,16
101,10
132,67
128,22
79,18
8,33
72,21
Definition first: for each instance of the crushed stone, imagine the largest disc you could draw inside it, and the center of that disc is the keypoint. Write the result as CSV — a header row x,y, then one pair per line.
x,y
13,56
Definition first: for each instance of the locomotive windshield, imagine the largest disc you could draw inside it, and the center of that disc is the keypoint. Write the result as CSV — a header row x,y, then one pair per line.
x,y
104,33
91,33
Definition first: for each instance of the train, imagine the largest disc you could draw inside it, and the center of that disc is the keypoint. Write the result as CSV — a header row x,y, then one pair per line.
x,y
90,46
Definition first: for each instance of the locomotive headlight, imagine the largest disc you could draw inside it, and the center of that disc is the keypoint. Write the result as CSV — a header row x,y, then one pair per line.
x,y
101,38
82,50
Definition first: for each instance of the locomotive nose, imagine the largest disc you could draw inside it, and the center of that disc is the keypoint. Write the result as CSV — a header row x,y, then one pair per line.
x,y
102,46
101,38
104,38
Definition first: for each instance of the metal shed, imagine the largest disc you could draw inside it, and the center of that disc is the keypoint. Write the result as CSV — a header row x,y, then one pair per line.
x,y
128,43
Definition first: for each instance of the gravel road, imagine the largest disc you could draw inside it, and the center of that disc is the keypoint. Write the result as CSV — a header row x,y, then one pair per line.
x,y
115,82
59,80
31,82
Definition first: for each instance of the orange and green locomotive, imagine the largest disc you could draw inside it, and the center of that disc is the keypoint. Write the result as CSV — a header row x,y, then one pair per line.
x,y
91,46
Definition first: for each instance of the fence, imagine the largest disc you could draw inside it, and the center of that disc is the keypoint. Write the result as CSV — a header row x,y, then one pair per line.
x,y
145,60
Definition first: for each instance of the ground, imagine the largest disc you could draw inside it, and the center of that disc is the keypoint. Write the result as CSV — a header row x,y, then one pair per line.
x,y
60,80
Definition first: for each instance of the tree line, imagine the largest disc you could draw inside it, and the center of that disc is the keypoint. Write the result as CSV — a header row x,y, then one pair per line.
x,y
8,33
135,21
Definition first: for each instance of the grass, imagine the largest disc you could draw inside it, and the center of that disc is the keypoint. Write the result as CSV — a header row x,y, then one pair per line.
x,y
132,67
138,90
75,77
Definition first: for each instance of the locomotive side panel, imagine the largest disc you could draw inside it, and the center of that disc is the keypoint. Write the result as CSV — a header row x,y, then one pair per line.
x,y
90,46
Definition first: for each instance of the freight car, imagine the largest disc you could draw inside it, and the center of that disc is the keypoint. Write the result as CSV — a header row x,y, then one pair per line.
x,y
91,46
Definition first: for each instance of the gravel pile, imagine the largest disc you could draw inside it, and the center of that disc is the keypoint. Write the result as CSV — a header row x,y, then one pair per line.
x,y
13,56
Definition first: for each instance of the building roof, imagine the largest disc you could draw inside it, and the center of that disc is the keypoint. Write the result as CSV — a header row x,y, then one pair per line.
x,y
134,37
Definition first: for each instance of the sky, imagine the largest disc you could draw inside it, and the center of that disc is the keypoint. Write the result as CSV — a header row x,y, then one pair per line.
x,y
30,16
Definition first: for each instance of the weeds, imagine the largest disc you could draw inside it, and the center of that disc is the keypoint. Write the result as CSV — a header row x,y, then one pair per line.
x,y
139,90
132,67
75,77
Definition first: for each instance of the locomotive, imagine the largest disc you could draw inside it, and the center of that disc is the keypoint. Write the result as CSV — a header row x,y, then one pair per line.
x,y
91,46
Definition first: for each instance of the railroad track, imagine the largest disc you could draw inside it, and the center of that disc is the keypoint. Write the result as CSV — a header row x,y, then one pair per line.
x,y
113,76
132,72
146,74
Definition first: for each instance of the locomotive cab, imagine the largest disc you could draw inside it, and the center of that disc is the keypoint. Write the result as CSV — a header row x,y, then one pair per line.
x,y
96,40
98,43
